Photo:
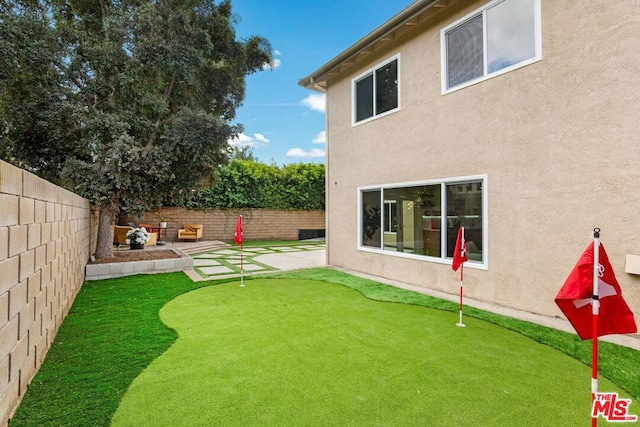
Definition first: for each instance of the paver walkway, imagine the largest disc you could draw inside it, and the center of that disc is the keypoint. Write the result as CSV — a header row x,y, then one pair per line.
x,y
232,262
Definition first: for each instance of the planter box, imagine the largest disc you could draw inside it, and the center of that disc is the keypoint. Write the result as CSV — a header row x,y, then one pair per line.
x,y
120,269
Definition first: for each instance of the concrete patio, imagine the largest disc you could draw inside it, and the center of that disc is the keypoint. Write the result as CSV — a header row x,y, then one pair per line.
x,y
208,260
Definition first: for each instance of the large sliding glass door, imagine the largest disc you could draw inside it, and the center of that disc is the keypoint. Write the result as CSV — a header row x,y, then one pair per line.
x,y
424,219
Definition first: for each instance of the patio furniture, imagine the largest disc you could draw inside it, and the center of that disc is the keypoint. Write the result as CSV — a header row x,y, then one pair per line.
x,y
120,235
190,231
154,229
153,239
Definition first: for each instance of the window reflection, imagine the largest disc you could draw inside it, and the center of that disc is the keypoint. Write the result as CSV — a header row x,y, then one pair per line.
x,y
387,87
376,91
412,219
371,215
510,34
464,209
501,35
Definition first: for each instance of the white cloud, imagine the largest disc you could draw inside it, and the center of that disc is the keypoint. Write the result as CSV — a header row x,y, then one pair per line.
x,y
243,140
260,137
299,152
315,102
275,62
320,138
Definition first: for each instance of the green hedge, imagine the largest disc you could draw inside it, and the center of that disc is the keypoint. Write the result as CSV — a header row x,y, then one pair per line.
x,y
250,184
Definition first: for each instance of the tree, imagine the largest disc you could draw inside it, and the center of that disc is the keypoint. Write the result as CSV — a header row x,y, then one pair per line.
x,y
242,153
39,121
125,102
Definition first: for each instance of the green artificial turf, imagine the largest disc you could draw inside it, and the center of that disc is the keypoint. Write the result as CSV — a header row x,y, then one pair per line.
x,y
112,332
332,341
306,352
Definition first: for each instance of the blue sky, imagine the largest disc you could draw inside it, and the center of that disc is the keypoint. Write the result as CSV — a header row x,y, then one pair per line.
x,y
283,122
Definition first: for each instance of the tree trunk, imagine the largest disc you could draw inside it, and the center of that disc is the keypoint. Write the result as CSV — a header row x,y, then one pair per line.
x,y
104,245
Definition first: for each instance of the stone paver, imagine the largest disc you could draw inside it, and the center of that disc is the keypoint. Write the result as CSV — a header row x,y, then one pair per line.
x,y
200,262
211,271
232,262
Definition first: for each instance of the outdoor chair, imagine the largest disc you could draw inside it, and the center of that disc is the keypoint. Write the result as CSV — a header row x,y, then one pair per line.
x,y
153,239
120,235
190,231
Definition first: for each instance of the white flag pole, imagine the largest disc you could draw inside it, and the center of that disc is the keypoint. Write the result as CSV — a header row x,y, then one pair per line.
x,y
241,252
595,310
462,244
241,267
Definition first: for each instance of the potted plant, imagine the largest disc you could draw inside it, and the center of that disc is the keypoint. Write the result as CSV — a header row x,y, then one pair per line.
x,y
163,222
137,237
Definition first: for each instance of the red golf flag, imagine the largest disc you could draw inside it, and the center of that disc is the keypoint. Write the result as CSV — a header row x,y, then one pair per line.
x,y
574,298
460,251
238,235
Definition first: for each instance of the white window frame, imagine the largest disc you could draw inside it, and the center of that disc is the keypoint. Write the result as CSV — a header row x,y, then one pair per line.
x,y
486,75
372,71
483,265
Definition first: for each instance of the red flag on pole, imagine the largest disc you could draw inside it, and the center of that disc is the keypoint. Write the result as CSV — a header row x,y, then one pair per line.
x,y
460,251
575,297
459,257
238,235
238,239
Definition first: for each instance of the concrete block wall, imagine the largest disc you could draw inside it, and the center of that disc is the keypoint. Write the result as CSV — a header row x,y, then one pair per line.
x,y
45,238
220,224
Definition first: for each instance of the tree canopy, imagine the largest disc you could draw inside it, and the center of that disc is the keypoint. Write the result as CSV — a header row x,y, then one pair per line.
x,y
123,102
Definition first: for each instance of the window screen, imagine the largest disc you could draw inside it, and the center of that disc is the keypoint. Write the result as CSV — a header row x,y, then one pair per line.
x,y
364,98
464,52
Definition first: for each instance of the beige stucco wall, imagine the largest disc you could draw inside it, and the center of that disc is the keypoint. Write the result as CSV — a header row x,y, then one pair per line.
x,y
558,141
45,233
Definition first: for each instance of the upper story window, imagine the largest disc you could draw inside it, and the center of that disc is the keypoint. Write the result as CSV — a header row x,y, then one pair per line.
x,y
376,92
500,37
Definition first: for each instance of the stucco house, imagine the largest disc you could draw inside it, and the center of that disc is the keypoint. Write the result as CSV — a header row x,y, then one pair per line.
x,y
517,119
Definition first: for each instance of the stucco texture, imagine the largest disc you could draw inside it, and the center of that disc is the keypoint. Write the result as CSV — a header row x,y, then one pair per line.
x,y
557,140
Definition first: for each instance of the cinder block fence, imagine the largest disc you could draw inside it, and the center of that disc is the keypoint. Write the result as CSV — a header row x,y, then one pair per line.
x,y
220,224
47,235
45,239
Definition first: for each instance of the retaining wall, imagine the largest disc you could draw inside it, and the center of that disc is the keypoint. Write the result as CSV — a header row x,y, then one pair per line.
x,y
45,239
121,269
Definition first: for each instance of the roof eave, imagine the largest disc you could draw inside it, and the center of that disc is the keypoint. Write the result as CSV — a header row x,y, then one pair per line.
x,y
317,79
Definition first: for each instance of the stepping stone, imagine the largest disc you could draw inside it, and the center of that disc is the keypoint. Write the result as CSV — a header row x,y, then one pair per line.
x,y
253,267
207,256
226,252
204,262
216,270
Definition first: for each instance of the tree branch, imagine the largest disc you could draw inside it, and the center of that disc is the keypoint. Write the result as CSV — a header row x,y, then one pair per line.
x,y
172,84
104,8
166,95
